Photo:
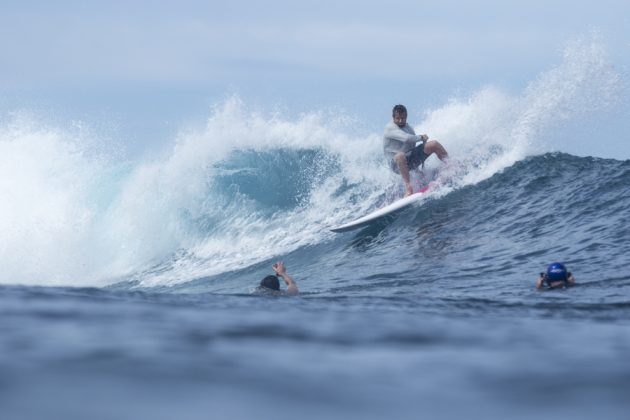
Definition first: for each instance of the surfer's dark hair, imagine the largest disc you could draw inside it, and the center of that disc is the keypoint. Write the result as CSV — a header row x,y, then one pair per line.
x,y
270,282
399,109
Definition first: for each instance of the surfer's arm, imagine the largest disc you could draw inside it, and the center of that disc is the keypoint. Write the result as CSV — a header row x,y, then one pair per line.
x,y
539,282
570,279
280,270
397,134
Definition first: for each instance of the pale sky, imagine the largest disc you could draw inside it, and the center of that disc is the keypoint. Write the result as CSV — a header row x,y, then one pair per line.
x,y
147,62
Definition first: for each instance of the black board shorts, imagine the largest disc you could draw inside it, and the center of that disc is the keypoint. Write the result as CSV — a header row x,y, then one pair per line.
x,y
415,157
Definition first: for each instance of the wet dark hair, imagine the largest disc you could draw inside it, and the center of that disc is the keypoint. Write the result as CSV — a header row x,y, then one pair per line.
x,y
270,282
399,109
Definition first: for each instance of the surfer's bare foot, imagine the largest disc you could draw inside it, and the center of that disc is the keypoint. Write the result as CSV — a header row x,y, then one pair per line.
x,y
409,191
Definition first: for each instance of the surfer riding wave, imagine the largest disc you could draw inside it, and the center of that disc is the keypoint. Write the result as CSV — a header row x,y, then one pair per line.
x,y
399,146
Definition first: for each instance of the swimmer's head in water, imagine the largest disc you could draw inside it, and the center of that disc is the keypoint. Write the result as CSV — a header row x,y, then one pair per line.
x,y
557,272
270,282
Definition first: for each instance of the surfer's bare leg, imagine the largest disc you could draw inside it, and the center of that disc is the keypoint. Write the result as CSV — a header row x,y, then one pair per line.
x,y
401,161
436,147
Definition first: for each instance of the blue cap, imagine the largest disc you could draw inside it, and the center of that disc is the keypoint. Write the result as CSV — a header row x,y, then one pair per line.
x,y
557,272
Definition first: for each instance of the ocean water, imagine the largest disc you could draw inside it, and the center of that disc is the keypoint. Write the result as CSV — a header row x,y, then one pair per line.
x,y
129,285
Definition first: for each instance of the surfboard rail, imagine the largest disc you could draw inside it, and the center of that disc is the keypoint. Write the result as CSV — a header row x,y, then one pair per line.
x,y
380,213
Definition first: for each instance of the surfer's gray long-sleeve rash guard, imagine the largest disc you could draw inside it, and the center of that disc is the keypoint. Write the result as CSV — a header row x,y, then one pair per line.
x,y
398,139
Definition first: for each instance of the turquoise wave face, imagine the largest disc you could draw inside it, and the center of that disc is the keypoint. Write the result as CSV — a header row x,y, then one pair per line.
x,y
279,179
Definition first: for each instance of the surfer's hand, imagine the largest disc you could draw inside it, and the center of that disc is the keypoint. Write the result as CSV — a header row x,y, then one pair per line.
x,y
424,138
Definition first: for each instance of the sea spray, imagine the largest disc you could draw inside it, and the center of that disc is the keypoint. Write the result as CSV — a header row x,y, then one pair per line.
x,y
492,130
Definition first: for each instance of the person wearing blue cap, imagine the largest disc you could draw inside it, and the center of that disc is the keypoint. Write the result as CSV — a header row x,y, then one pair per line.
x,y
556,277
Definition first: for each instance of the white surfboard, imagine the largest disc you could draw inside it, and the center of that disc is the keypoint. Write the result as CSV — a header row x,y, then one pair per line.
x,y
382,212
